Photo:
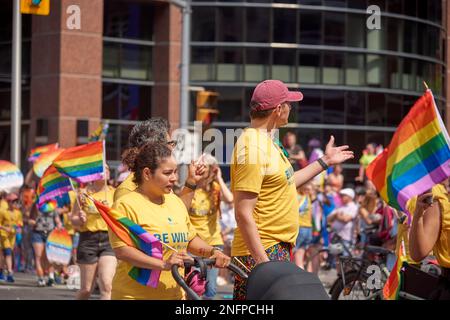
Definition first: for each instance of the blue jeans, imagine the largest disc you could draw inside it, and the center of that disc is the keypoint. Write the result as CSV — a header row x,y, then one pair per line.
x,y
211,277
304,238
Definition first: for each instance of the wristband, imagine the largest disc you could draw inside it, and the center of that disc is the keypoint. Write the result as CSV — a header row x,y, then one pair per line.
x,y
214,249
190,186
323,164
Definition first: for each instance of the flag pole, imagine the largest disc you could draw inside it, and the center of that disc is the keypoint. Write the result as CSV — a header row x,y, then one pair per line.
x,y
104,170
425,85
76,192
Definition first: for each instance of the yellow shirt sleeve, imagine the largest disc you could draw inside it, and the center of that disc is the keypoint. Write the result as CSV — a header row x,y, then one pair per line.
x,y
125,187
249,169
114,240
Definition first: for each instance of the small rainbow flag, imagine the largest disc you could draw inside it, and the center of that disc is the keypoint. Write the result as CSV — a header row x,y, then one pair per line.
x,y
47,207
10,176
393,284
82,163
417,158
36,152
52,184
99,133
44,161
134,236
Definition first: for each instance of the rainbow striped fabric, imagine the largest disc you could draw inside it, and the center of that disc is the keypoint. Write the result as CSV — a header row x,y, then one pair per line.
x,y
10,176
417,158
36,152
44,161
47,207
82,163
393,284
134,236
52,184
99,133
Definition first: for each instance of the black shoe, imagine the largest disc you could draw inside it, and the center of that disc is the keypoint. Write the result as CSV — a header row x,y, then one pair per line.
x,y
50,282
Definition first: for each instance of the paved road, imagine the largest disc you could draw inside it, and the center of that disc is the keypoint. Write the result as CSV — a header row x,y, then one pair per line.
x,y
25,289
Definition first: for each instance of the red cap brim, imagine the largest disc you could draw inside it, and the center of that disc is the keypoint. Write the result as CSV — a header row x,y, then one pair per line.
x,y
295,96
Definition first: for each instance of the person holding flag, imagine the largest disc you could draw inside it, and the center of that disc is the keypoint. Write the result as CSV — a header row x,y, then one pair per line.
x,y
160,212
94,254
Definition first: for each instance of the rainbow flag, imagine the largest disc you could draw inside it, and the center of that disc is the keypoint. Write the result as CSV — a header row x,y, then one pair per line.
x,y
393,284
417,158
36,152
10,176
52,184
44,161
99,133
134,236
82,163
47,207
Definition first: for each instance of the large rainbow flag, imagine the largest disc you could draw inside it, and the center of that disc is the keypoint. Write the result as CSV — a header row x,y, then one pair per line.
x,y
417,158
134,236
52,184
82,163
36,152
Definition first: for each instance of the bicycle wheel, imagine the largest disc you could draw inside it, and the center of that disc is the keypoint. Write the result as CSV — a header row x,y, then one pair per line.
x,y
355,288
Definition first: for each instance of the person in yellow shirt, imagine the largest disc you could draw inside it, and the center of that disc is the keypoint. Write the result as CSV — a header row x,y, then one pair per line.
x,y
264,183
160,212
94,254
369,154
157,130
10,220
205,212
430,231
305,237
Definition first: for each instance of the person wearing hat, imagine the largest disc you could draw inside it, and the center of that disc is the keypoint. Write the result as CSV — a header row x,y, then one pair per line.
x,y
10,220
264,183
342,219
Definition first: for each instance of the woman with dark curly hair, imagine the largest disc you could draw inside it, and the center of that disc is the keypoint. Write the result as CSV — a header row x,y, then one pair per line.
x,y
159,211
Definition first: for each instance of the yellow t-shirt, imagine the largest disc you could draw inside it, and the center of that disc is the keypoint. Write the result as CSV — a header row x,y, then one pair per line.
x,y
366,159
3,205
259,166
125,187
441,248
170,223
304,211
95,222
205,214
10,218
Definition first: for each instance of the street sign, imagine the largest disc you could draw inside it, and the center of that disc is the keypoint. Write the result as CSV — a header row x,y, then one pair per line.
x,y
39,7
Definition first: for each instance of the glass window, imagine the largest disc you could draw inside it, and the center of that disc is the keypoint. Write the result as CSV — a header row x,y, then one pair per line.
x,y
380,3
309,67
230,24
356,4
310,27
394,33
136,62
409,74
310,108
111,60
257,64
284,65
311,2
284,25
333,68
410,7
356,108
229,103
393,72
333,107
229,64
355,33
376,38
376,112
422,9
354,69
117,140
378,137
334,24
202,63
408,102
128,20
334,3
394,6
394,104
410,37
258,26
126,102
203,24
375,70
424,73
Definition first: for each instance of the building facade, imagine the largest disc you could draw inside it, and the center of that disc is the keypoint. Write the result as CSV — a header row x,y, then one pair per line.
x,y
122,66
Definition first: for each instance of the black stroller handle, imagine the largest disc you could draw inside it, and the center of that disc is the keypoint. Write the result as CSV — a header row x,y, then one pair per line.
x,y
206,262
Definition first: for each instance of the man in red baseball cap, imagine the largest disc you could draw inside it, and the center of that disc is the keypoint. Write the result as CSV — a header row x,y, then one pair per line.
x,y
264,183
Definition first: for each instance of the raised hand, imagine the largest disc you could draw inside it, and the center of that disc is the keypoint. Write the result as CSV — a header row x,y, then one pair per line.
x,y
336,155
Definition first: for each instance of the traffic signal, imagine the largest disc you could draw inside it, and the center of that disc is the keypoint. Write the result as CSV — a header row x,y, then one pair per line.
x,y
40,7
207,106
